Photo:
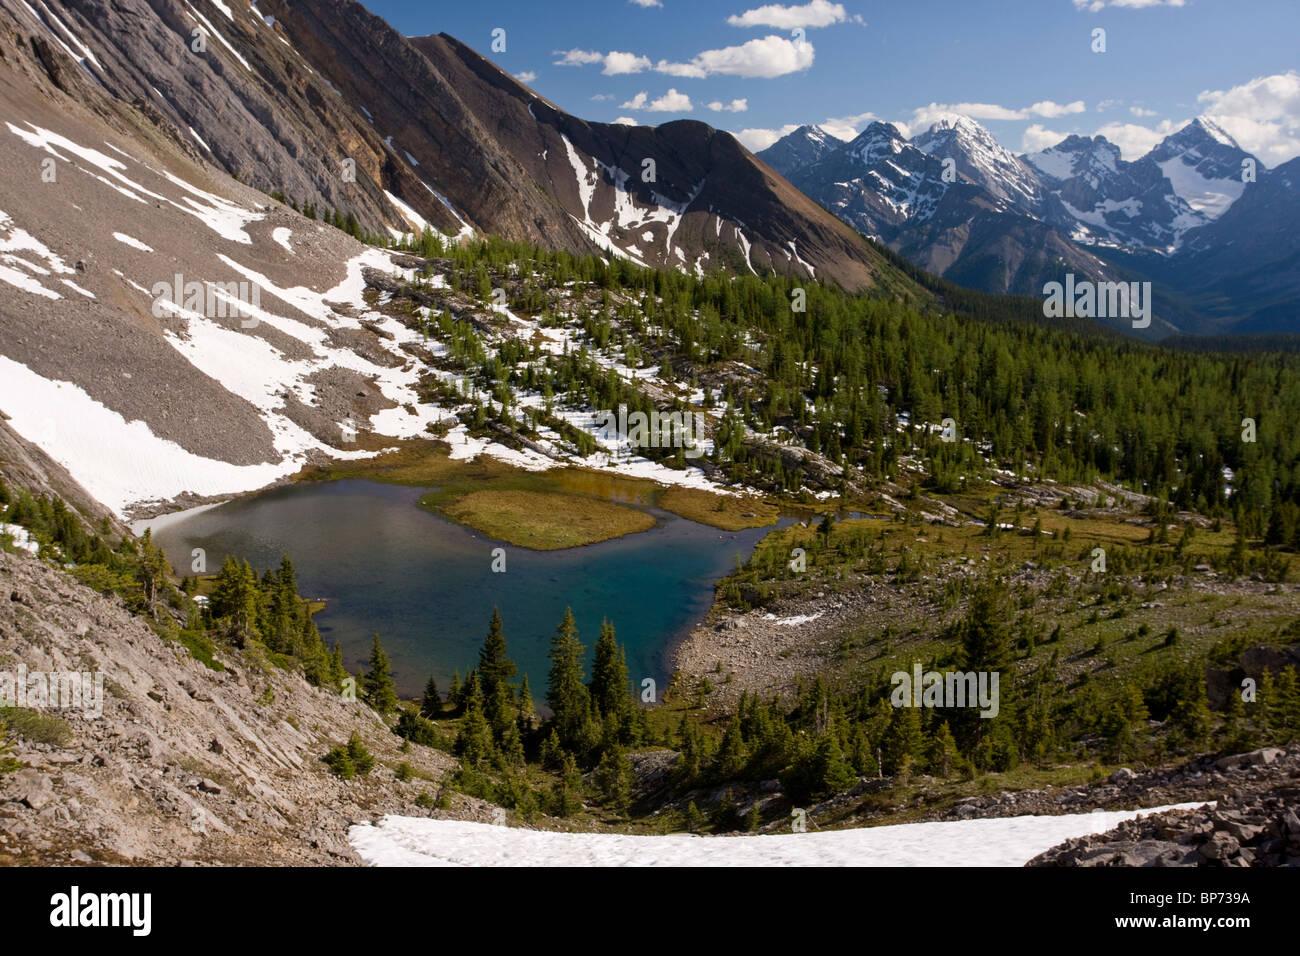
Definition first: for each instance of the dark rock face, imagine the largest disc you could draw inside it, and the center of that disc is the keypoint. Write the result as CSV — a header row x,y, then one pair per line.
x,y
323,101
1254,824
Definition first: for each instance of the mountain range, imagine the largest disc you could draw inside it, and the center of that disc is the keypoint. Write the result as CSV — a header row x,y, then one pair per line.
x,y
323,102
1207,222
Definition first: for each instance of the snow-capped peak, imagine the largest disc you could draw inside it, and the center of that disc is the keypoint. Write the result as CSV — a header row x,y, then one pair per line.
x,y
980,158
1215,131
877,140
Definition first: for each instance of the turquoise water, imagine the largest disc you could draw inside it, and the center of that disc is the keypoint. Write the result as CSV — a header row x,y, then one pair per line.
x,y
426,584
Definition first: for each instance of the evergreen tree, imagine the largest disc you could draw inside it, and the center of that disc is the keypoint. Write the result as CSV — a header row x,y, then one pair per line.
x,y
615,777
831,772
377,683
495,670
566,794
527,710
152,571
474,742
566,694
943,751
233,604
903,742
431,702
610,683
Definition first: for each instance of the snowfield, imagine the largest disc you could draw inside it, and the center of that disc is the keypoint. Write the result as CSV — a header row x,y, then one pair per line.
x,y
1009,841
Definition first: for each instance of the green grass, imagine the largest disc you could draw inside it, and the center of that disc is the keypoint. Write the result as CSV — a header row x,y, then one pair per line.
x,y
201,649
36,727
726,512
545,521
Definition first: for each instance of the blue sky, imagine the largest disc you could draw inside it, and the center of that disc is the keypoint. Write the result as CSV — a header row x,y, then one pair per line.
x,y
1024,68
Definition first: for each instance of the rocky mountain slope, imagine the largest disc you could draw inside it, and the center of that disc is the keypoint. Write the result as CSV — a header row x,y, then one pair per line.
x,y
324,102
1254,822
186,763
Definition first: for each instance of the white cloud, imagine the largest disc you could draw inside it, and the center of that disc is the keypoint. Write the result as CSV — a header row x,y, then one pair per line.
x,y
577,57
616,63
1037,138
646,3
735,106
599,97
1052,110
1107,104
526,77
818,13
670,102
619,63
1136,141
1263,115
926,116
1092,6
755,140
626,121
1140,112
764,57
847,127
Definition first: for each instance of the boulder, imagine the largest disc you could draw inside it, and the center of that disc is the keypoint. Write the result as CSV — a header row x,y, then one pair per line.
x,y
31,787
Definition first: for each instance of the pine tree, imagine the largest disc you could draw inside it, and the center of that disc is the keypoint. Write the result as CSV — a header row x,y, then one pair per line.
x,y
454,690
377,683
943,751
985,641
694,818
431,702
474,742
832,773
233,604
615,777
566,794
609,682
495,670
527,710
337,671
512,746
152,571
902,745
732,754
566,693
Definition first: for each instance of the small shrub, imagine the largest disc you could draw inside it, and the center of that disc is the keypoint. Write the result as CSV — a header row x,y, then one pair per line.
x,y
36,727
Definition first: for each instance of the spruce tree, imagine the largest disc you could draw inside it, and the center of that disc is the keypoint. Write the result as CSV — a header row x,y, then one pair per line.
x,y
527,710
377,683
495,668
943,752
233,604
474,742
566,694
902,745
609,680
431,702
615,777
